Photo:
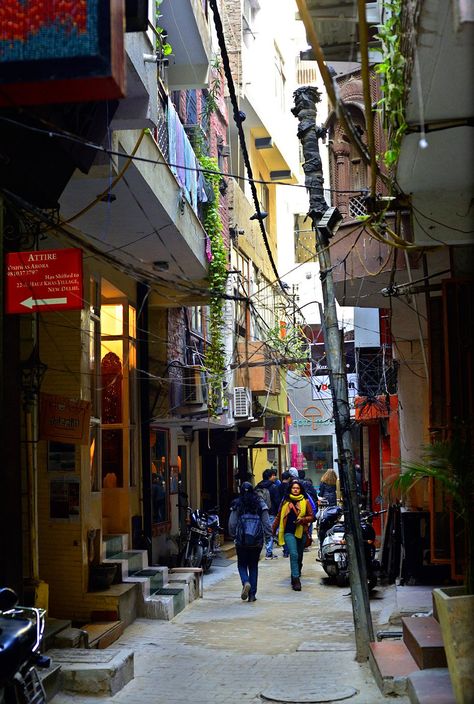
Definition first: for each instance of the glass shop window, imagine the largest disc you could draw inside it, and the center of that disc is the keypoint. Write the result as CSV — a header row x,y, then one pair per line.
x,y
118,393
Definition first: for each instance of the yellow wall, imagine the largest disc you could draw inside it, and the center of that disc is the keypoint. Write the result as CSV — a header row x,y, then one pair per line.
x,y
63,543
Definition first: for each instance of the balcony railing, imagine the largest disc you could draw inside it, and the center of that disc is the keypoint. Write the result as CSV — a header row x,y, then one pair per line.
x,y
174,144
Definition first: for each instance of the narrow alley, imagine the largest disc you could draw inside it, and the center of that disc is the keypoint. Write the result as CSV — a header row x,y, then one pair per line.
x,y
222,650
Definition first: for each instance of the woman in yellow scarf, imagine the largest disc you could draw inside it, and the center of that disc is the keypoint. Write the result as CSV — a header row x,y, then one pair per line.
x,y
292,522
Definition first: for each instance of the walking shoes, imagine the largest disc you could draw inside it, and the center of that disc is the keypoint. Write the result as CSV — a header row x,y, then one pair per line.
x,y
245,591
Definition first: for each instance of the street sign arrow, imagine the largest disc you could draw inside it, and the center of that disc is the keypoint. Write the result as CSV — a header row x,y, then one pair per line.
x,y
32,302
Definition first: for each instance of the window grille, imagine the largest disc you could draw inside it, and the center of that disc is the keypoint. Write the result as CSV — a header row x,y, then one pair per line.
x,y
357,206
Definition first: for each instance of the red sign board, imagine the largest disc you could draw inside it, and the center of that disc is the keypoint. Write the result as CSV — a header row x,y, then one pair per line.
x,y
44,280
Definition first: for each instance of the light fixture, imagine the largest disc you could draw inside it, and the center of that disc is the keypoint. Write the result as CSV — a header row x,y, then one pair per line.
x,y
259,216
263,143
330,222
161,265
283,175
107,197
187,431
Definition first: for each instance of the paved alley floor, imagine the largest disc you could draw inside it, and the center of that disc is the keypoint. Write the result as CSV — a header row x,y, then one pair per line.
x,y
221,650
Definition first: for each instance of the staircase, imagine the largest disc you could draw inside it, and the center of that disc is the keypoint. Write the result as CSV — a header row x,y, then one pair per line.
x,y
414,666
82,661
162,593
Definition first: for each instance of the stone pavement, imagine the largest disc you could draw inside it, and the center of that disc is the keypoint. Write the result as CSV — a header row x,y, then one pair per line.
x,y
221,650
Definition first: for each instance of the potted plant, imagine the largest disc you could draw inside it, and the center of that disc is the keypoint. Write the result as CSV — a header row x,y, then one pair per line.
x,y
451,464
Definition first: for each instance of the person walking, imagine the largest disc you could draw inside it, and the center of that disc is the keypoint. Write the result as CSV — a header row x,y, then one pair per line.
x,y
248,525
269,491
283,488
292,521
327,487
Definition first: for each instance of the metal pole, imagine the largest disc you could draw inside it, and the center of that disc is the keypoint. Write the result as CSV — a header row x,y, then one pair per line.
x,y
305,110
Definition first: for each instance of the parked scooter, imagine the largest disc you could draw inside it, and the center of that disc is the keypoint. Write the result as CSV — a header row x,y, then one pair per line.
x,y
21,632
334,556
333,550
202,540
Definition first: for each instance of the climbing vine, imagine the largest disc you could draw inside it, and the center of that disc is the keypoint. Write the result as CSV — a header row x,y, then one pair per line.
x,y
392,69
214,359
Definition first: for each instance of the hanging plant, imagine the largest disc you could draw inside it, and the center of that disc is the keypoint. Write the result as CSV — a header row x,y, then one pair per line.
x,y
163,49
292,345
392,69
214,359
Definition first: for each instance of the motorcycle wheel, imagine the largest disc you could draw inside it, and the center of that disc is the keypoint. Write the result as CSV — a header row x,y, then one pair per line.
x,y
194,559
371,583
206,564
341,580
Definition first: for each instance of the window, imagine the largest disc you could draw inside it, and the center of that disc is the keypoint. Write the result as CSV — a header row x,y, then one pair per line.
x,y
118,391
317,452
241,289
305,240
95,384
280,79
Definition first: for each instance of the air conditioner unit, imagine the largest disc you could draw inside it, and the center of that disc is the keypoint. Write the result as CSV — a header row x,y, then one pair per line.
x,y
242,402
193,387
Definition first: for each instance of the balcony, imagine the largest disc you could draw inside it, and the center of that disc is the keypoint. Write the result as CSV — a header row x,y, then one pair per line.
x,y
439,177
187,24
335,23
144,214
263,377
356,258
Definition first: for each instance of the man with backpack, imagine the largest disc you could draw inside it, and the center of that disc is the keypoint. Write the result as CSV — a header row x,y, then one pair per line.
x,y
269,491
249,524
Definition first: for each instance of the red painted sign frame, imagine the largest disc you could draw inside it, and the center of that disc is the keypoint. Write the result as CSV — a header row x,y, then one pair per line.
x,y
43,280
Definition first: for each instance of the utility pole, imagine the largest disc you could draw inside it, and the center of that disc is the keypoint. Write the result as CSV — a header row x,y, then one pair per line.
x,y
309,134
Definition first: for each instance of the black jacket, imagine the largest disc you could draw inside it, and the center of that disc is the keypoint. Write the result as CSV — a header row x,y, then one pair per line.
x,y
274,495
328,491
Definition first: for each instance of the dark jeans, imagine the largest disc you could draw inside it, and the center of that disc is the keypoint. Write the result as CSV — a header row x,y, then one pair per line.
x,y
295,548
247,564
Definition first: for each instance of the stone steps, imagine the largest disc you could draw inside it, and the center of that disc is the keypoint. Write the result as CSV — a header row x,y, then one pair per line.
x,y
391,664
423,638
161,594
431,686
96,672
416,665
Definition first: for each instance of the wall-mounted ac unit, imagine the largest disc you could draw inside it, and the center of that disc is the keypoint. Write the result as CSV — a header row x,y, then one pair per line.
x,y
194,389
242,402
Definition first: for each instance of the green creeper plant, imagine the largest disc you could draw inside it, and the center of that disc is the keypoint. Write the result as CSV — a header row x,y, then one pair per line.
x,y
392,69
214,359
161,45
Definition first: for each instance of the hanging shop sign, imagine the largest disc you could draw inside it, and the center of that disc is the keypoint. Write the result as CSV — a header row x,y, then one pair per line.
x,y
312,416
321,387
43,281
64,420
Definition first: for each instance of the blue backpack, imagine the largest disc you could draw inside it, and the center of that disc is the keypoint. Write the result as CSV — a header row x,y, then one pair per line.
x,y
249,532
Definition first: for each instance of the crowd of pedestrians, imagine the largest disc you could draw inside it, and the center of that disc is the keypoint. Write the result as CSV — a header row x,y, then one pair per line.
x,y
278,512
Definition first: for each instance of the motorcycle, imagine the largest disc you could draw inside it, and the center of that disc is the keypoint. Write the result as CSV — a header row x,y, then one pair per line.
x,y
368,536
333,551
334,556
202,538
21,632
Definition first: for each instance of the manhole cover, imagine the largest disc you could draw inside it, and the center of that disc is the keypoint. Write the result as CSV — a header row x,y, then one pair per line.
x,y
325,693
